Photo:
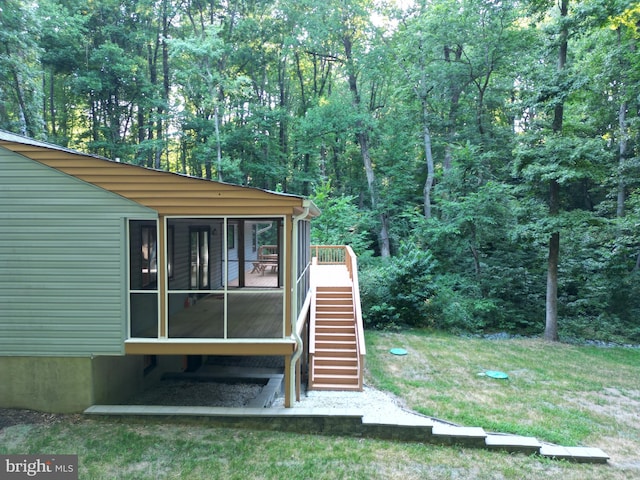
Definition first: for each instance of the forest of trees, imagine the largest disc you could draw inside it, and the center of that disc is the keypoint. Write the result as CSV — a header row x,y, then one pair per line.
x,y
481,156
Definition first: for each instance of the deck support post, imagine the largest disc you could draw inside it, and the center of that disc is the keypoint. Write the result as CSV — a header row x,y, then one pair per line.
x,y
288,401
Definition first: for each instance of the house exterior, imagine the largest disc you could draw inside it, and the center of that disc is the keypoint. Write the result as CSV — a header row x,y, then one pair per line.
x,y
107,269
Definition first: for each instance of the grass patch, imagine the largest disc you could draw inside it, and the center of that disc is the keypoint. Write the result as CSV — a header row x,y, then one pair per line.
x,y
563,394
110,449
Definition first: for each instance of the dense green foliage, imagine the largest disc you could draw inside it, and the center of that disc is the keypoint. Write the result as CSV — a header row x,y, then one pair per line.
x,y
459,137
397,291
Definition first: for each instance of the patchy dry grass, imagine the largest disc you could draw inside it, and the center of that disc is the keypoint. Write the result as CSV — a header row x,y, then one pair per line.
x,y
565,394
559,393
113,450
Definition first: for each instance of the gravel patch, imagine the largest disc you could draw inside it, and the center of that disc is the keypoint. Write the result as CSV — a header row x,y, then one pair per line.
x,y
222,394
198,393
371,402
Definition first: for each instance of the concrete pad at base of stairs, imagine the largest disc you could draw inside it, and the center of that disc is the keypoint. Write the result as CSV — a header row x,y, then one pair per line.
x,y
574,454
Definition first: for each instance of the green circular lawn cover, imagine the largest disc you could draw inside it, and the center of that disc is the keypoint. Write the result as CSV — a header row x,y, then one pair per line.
x,y
398,351
496,374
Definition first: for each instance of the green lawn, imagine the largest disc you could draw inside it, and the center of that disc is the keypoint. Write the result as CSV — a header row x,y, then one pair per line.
x,y
565,394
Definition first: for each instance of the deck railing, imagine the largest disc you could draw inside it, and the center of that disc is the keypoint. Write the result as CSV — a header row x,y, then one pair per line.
x,y
330,254
352,267
344,255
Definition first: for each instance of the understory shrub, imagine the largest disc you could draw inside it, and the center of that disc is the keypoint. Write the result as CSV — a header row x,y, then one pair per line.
x,y
397,291
458,306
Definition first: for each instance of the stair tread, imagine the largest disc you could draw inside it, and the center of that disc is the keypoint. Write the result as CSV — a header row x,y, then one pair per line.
x,y
336,387
329,349
336,328
337,367
335,359
334,342
329,336
328,353
339,375
333,318
333,334
336,376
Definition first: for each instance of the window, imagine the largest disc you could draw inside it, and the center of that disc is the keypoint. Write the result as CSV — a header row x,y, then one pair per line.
x,y
143,278
170,242
231,237
199,258
254,237
149,252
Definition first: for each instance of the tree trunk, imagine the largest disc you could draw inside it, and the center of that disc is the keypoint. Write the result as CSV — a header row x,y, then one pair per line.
x,y
551,321
363,141
383,238
622,154
216,120
25,127
428,184
452,55
52,105
551,326
160,128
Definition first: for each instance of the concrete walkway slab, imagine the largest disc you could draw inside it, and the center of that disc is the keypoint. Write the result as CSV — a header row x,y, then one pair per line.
x,y
574,454
513,443
351,422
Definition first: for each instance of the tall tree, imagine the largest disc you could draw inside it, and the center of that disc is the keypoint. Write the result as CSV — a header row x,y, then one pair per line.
x,y
20,70
551,321
444,61
558,149
349,36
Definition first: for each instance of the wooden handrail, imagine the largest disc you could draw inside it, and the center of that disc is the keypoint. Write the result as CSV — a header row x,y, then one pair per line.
x,y
352,266
312,333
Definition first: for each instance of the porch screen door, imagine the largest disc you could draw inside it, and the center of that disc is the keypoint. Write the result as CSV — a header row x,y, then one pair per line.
x,y
199,258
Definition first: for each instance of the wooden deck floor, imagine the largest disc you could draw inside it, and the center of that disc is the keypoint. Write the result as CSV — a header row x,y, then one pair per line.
x,y
330,276
267,278
251,314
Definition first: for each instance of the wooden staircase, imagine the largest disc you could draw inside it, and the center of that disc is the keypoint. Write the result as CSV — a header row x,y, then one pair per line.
x,y
334,356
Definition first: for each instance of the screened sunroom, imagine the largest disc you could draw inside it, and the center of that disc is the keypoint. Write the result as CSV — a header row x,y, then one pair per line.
x,y
225,278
